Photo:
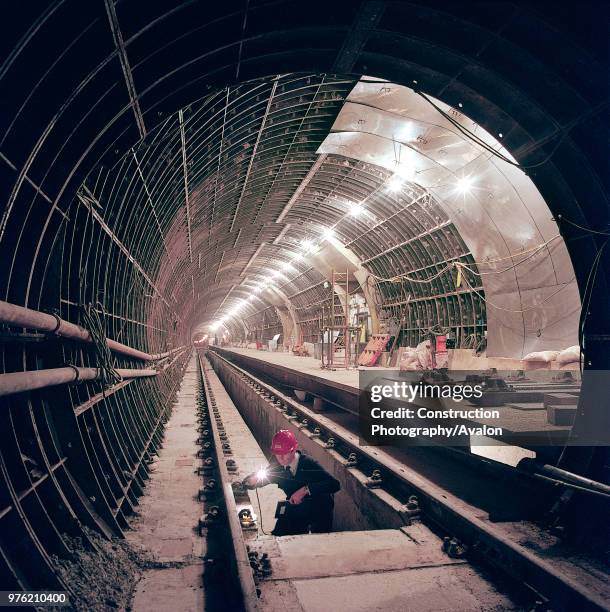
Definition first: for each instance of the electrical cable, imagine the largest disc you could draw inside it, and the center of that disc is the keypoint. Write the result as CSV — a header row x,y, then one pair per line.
x,y
505,257
437,326
466,132
260,511
546,299
311,305
92,321
459,264
586,229
406,277
533,251
586,300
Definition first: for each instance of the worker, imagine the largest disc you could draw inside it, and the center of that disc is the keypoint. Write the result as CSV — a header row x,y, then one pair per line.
x,y
309,488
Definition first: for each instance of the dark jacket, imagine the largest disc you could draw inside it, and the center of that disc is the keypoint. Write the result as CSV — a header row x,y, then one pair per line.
x,y
316,509
309,473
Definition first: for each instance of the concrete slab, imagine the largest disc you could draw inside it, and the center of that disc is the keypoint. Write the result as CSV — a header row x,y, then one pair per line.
x,y
560,399
168,514
519,421
354,552
561,415
434,589
527,406
389,570
168,590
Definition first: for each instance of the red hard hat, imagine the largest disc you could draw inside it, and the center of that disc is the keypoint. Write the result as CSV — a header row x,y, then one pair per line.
x,y
283,442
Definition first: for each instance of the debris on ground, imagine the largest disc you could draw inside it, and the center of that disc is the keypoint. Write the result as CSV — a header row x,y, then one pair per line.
x,y
101,575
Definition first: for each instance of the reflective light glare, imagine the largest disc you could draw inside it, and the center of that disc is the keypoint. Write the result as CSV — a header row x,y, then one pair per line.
x,y
261,474
395,183
405,170
356,210
464,184
307,245
328,233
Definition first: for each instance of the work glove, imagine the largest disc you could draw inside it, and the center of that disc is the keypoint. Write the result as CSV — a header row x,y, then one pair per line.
x,y
250,481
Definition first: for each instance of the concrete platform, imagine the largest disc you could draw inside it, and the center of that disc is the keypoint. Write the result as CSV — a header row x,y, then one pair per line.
x,y
527,406
305,373
305,365
390,570
343,387
519,422
168,515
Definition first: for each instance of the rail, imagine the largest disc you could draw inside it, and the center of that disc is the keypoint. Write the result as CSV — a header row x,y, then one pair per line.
x,y
438,505
242,567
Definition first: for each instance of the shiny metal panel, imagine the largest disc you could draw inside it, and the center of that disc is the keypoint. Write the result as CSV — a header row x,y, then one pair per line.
x,y
532,298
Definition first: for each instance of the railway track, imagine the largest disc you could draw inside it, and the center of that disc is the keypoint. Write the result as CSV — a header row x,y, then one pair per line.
x,y
393,479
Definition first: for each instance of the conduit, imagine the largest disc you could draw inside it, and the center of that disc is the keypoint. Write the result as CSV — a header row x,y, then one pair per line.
x,y
17,382
558,475
19,316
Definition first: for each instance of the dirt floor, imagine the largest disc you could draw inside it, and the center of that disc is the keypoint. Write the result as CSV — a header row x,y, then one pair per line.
x,y
103,577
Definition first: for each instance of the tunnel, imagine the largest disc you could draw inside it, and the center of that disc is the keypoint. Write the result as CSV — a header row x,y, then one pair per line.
x,y
224,219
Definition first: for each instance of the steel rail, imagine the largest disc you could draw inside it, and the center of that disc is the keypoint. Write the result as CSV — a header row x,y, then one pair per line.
x,y
450,513
19,316
242,563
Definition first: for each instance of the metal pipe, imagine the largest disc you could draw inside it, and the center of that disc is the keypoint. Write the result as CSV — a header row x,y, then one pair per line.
x,y
17,382
92,401
159,356
19,316
570,485
576,478
531,465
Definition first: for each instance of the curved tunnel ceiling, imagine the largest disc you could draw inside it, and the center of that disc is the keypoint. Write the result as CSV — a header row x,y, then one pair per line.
x,y
86,115
525,271
124,193
233,194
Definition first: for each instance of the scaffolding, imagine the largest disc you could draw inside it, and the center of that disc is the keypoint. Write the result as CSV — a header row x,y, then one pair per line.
x,y
339,340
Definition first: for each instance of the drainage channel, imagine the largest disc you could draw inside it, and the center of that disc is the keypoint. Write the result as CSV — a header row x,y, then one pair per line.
x,y
390,494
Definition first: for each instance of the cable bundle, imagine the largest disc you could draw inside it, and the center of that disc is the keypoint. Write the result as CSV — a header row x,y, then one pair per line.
x,y
94,324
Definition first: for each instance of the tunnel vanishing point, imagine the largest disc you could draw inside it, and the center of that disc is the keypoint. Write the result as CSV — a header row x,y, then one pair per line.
x,y
184,178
